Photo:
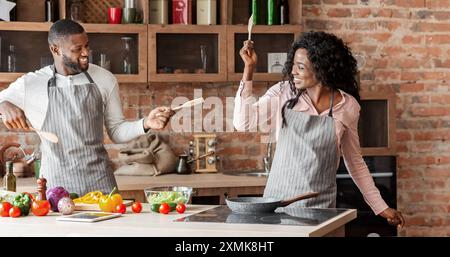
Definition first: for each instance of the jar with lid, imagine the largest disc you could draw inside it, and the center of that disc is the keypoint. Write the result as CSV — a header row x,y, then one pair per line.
x,y
77,11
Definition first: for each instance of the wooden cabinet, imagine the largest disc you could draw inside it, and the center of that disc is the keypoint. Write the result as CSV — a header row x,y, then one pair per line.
x,y
32,51
29,40
110,40
267,39
187,53
377,123
160,53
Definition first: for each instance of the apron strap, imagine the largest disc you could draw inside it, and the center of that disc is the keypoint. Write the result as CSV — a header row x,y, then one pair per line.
x,y
88,77
330,114
52,81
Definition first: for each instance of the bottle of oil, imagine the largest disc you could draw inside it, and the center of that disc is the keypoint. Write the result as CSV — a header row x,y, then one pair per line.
x,y
9,180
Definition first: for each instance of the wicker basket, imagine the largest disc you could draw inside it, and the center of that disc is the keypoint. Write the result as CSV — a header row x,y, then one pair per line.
x,y
96,11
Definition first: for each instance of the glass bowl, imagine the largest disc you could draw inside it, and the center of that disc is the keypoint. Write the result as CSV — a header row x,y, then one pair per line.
x,y
169,195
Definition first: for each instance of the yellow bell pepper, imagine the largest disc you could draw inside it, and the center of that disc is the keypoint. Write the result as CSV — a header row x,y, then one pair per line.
x,y
109,202
90,198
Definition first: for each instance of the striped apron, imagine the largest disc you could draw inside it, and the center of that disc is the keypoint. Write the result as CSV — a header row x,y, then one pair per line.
x,y
305,160
79,161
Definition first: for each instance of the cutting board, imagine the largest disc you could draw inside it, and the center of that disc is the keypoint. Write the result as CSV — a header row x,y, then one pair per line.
x,y
94,207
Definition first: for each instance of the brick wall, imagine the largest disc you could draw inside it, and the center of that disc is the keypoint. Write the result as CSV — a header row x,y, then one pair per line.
x,y
407,43
407,47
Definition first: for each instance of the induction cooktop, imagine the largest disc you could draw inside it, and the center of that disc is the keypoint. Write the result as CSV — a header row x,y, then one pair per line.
x,y
294,216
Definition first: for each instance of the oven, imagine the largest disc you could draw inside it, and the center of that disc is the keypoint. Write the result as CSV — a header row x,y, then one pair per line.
x,y
383,170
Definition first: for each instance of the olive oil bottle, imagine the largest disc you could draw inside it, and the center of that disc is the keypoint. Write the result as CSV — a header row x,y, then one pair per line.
x,y
9,179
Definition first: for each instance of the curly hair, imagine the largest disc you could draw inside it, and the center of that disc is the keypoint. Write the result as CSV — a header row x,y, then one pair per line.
x,y
332,61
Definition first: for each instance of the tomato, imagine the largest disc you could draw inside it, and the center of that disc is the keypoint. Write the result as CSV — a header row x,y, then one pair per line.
x,y
14,212
164,208
136,207
181,208
121,208
4,209
40,208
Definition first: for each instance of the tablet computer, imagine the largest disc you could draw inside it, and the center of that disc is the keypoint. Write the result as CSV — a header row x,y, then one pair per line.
x,y
89,216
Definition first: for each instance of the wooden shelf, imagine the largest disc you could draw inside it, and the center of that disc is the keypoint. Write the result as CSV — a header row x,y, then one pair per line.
x,y
179,31
139,29
96,10
292,31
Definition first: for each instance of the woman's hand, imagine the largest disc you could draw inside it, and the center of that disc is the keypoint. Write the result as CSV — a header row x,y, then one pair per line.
x,y
394,217
248,54
250,58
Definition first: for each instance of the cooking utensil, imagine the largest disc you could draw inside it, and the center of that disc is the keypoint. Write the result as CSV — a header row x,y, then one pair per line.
x,y
262,204
202,156
44,134
189,103
182,166
47,135
250,27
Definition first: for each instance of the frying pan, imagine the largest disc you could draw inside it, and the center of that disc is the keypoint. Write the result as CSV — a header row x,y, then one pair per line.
x,y
262,204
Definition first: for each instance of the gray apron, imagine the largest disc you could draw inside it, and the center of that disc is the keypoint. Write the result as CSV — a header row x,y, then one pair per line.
x,y
305,160
79,161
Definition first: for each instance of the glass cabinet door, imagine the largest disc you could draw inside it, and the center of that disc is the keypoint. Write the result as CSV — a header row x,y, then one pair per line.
x,y
20,57
187,53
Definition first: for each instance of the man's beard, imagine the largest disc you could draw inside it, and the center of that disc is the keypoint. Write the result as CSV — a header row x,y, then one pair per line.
x,y
74,67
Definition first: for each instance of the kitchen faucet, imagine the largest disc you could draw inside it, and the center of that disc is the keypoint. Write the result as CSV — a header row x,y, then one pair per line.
x,y
267,160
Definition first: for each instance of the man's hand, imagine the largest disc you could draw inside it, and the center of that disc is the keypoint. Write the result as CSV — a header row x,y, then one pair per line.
x,y
13,117
158,118
394,217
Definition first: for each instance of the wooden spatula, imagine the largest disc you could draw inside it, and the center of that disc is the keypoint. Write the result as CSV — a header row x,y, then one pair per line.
x,y
250,27
44,134
189,104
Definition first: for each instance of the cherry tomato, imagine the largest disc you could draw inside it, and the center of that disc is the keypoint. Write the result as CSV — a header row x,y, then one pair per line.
x,y
4,209
14,212
40,208
136,207
122,208
181,208
164,208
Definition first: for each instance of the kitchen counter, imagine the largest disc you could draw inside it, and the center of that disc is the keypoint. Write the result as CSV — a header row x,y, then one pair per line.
x,y
153,224
208,184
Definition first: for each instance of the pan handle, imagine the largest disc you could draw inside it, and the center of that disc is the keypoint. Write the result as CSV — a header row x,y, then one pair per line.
x,y
298,198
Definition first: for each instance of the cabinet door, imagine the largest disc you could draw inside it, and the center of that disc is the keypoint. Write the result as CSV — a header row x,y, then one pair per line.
x,y
30,48
120,49
269,41
186,53
376,127
32,51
